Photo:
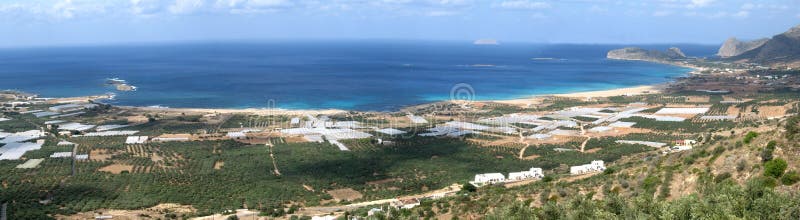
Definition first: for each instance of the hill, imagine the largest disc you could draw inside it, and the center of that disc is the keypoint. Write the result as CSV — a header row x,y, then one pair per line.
x,y
780,50
734,47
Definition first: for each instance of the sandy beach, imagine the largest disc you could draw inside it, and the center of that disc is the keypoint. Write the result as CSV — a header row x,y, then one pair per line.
x,y
636,90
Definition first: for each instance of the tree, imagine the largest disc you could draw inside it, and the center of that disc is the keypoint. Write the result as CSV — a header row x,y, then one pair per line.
x,y
766,154
775,168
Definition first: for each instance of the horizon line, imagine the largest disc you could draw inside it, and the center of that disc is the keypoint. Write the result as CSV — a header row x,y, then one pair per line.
x,y
272,40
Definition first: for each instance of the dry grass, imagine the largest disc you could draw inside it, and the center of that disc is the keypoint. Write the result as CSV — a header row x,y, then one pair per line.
x,y
219,164
159,211
697,99
116,168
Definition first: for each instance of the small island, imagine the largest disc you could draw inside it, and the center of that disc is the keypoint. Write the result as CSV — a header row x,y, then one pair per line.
x,y
120,85
635,53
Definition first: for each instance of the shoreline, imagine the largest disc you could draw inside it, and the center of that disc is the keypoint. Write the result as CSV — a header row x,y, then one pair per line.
x,y
633,90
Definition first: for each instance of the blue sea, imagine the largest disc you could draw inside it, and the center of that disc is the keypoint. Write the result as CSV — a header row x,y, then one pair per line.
x,y
354,75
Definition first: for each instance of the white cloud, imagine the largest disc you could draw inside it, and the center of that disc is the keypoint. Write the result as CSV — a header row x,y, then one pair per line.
x,y
145,7
252,6
63,9
524,4
699,3
185,6
751,6
742,14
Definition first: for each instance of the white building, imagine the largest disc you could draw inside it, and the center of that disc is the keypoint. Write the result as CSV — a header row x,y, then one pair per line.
x,y
681,148
594,166
523,175
326,217
406,203
488,178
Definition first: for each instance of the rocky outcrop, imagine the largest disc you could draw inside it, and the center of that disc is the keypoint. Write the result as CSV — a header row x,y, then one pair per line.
x,y
781,49
635,53
733,47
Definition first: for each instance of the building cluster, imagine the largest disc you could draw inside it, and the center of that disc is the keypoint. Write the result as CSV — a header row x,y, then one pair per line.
x,y
496,178
594,166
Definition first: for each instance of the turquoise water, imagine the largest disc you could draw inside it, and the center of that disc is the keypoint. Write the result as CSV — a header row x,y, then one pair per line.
x,y
373,75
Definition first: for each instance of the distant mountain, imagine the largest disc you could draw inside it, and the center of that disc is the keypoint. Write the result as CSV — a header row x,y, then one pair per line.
x,y
635,53
733,47
781,50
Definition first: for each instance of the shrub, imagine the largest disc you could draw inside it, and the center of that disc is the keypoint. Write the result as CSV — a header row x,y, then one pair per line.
x,y
775,168
649,184
467,187
790,178
749,137
722,177
741,165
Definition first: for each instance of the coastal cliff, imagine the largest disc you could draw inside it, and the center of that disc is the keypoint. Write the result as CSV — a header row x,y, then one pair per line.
x,y
635,53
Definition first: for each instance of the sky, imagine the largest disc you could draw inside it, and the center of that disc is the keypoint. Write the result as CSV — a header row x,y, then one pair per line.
x,y
33,23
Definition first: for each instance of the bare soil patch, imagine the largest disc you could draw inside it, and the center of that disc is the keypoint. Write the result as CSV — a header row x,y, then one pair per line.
x,y
347,194
218,165
593,150
295,139
772,111
733,110
531,157
100,154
